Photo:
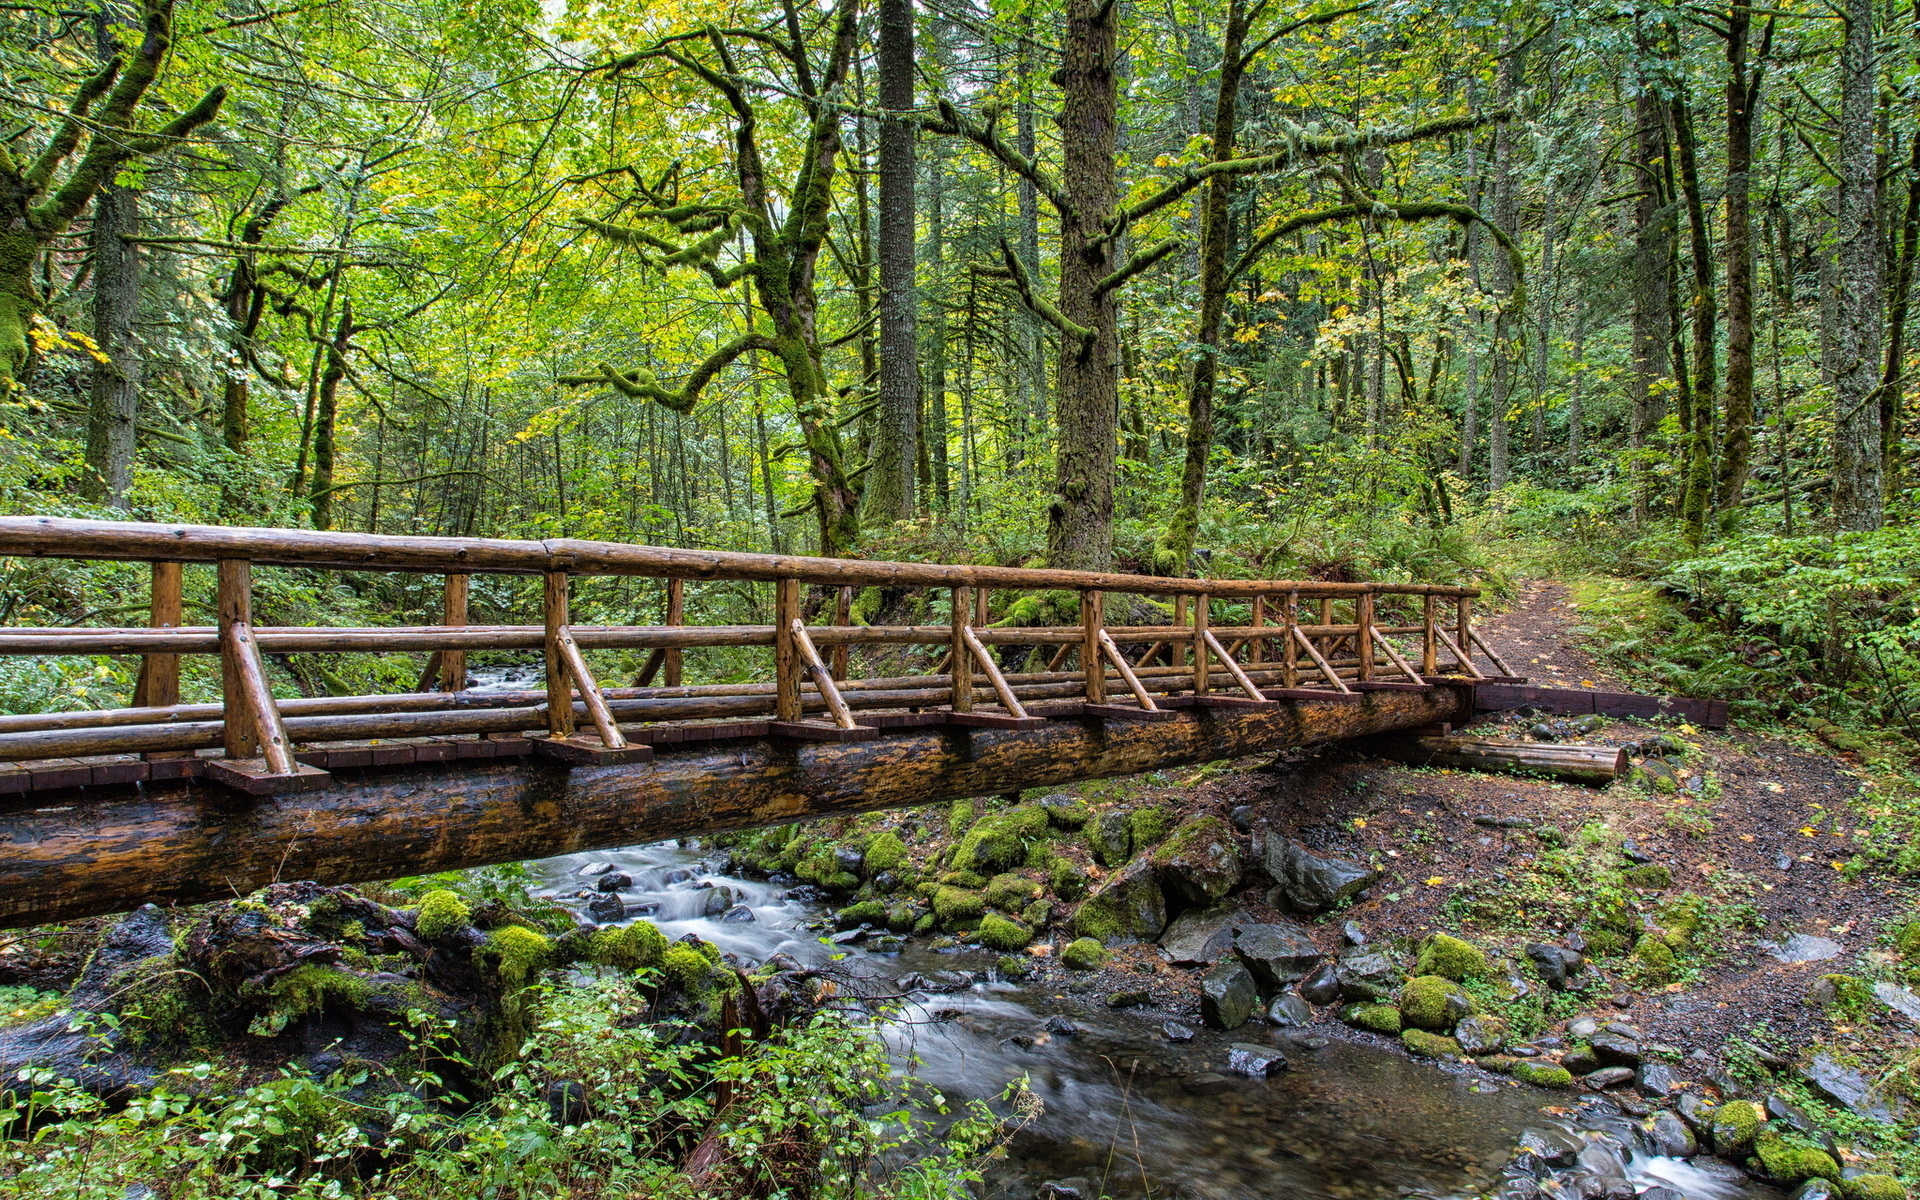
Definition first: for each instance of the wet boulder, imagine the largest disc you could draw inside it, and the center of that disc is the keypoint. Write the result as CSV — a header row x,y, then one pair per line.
x,y
1128,908
1198,864
1308,882
1277,954
1288,1012
1322,985
1109,839
1202,935
1245,1058
1227,995
1368,976
1481,1035
1557,965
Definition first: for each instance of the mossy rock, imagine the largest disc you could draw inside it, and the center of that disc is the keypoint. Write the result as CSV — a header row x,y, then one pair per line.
x,y
1038,914
925,925
1422,1044
963,879
1434,1003
1736,1125
1605,943
1083,954
1651,875
1011,893
687,970
960,816
886,852
1611,912
1067,879
1129,907
867,912
629,948
1541,1074
1451,958
901,918
998,842
952,904
1653,960
1066,811
442,913
1109,840
1001,934
1381,1018
1013,966
1681,920
1198,862
1873,1187
518,954
1149,824
1793,1162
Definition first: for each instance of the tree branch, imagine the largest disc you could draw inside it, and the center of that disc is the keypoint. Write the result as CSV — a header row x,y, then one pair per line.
x,y
952,124
1140,262
1017,271
642,384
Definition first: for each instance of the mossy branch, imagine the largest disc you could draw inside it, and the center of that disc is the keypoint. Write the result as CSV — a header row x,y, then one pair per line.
x,y
952,124
642,384
1022,283
1140,262
67,137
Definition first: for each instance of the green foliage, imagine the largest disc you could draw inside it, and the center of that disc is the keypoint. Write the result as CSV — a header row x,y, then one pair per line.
x,y
687,970
442,913
1148,824
1847,996
1651,875
20,1004
1083,954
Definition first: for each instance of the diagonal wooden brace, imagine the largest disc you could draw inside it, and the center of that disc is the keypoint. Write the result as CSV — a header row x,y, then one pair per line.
x,y
1394,654
1465,659
822,676
597,710
1233,668
1333,676
1119,661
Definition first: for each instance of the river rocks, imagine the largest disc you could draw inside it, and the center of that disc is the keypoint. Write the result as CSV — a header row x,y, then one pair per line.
x,y
1422,1044
1352,935
1656,1079
1368,976
1792,1162
1109,839
1245,1058
1542,1074
1696,1110
1616,1051
1308,882
607,907
1434,1003
1276,954
1198,863
1202,935
1481,1035
1289,1011
1816,1189
1065,810
1128,908
1227,995
1083,954
596,868
1735,1125
1557,965
1206,1083
1322,985
1581,1060
613,881
1174,1031
1555,1147
739,914
1608,1077
1670,1135
1131,998
718,900
1847,1087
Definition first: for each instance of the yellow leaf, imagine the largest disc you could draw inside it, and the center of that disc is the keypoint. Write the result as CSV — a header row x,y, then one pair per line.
x,y
1437,880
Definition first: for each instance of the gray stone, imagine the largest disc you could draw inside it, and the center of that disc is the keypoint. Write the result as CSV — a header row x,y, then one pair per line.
x,y
1062,1189
851,859
1227,995
1656,1079
1245,1058
1109,838
1198,864
1489,821
1242,817
1556,1147
739,914
613,881
1174,1031
1322,985
1518,1187
1802,947
1608,1077
1671,1136
1696,1110
1899,999
1309,882
1847,1087
1128,908
1581,1060
1202,935
1289,1010
1616,1051
1369,976
1816,1189
1059,1025
1064,810
1582,1028
1556,964
607,907
596,868
718,900
1662,1193
1634,853
1206,1083
1276,954
1481,1035
1352,935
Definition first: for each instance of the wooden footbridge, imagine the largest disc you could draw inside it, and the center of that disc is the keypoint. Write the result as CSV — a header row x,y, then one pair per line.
x,y
179,802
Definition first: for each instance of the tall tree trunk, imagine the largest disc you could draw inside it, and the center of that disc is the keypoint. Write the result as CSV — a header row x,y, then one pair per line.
x,y
1653,237
326,421
115,403
937,432
1033,340
1743,90
1893,377
1697,487
890,482
1506,215
1080,519
1176,545
1858,502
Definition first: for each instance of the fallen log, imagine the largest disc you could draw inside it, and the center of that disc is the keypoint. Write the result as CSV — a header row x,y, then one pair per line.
x,y
111,848
1573,763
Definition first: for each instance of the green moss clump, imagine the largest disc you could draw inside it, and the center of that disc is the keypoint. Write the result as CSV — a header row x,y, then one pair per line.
x,y
441,913
1012,966
1001,934
308,988
1381,1018
1147,825
1066,811
1906,943
1845,995
1011,893
901,918
867,912
1604,943
1653,960
952,904
1792,1162
1083,954
1651,875
1681,920
1434,1002
866,605
1542,1074
992,845
1610,912
687,970
1422,1044
1066,879
629,948
925,925
1451,958
518,953
964,879
1873,1187
959,817
1735,1126
886,852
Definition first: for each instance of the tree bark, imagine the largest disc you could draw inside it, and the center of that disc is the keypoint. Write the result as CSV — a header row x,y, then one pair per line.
x,y
1697,486
1743,92
326,419
1653,237
889,492
1506,215
1858,502
115,402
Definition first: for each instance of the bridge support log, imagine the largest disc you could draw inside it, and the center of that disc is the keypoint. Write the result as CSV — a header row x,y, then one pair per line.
x,y
110,849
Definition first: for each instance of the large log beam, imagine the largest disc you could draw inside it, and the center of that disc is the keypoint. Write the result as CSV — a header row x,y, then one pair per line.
x,y
110,849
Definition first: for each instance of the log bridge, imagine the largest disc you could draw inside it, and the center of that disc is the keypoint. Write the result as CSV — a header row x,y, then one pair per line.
x,y
171,802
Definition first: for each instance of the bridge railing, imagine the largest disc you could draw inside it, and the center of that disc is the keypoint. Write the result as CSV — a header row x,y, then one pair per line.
x,y
1304,640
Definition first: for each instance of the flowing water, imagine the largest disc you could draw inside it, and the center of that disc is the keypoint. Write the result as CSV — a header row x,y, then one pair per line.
x,y
1126,1112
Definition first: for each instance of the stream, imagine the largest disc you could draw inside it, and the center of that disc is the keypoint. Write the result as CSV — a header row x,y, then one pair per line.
x,y
1129,1113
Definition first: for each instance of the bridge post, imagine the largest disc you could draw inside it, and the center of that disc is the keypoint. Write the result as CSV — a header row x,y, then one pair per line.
x,y
453,611
961,655
1463,614
842,617
1202,616
786,654
1257,648
159,683
1430,645
235,600
1363,640
559,687
1092,618
677,615
1290,664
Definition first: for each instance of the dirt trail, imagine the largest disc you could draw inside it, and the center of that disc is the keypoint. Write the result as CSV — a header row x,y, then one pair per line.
x,y
1535,638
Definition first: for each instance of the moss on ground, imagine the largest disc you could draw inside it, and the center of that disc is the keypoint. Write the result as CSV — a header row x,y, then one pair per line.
x,y
442,912
1002,934
1451,958
1083,954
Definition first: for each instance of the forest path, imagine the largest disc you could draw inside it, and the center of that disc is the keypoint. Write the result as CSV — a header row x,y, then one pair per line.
x,y
1535,636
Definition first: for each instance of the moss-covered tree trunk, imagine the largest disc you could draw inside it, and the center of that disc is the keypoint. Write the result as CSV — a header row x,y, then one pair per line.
x,y
114,406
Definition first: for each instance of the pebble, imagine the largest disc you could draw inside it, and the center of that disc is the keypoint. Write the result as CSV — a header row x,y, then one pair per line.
x,y
1257,1061
1351,934
1060,1025
1174,1031
596,868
